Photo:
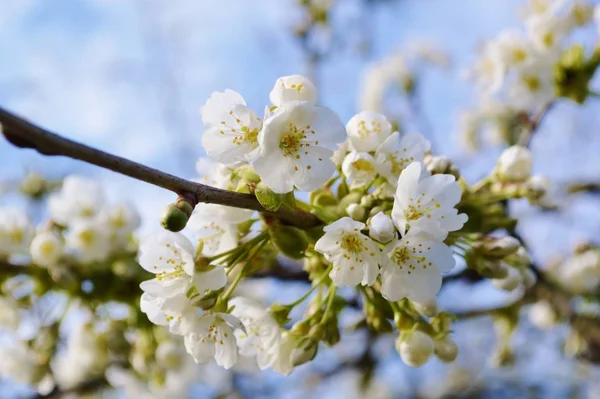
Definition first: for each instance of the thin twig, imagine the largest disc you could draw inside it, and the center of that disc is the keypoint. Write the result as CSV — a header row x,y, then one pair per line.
x,y
24,134
533,123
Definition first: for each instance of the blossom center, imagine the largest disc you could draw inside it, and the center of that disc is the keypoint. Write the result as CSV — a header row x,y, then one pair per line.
x,y
351,243
532,83
363,165
292,140
87,237
405,257
418,210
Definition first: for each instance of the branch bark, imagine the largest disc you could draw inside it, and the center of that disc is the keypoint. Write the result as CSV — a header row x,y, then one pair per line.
x,y
24,134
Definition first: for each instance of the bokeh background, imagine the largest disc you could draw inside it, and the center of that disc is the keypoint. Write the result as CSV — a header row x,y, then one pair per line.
x,y
129,78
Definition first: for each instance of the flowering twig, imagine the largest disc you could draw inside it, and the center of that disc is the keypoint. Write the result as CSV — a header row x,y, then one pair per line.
x,y
531,126
24,134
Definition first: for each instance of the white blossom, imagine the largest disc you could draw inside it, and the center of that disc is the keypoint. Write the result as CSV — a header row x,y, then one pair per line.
x,y
579,14
287,344
367,130
446,349
411,267
84,358
381,228
170,256
293,88
121,219
213,226
360,168
231,128
512,48
427,203
79,197
514,164
176,312
546,32
295,147
88,240
213,337
533,87
355,256
16,232
261,336
46,248
397,152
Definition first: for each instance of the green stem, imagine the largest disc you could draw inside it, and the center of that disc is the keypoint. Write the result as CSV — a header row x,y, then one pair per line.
x,y
330,298
313,288
238,278
242,247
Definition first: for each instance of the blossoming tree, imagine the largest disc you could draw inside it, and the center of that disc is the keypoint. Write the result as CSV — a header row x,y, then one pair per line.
x,y
374,218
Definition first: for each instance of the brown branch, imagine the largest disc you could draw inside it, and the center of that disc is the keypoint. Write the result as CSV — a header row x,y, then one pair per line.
x,y
532,124
24,134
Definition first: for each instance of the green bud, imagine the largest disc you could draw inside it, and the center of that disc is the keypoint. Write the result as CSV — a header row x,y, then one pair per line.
x,y
573,73
494,269
270,200
247,174
367,201
442,323
175,216
322,197
353,197
331,335
289,241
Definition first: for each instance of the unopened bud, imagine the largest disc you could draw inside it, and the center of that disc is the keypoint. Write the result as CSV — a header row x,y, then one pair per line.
x,y
520,258
529,278
427,309
446,350
415,348
33,185
289,241
510,282
542,315
280,313
514,165
441,165
356,211
175,216
489,268
500,247
381,228
247,174
367,201
304,352
537,187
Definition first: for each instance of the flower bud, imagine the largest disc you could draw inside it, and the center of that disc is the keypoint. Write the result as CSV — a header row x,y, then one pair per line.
x,y
441,165
280,313
490,268
514,165
520,258
247,174
500,247
381,228
537,187
529,278
427,309
367,201
293,88
356,211
46,249
175,216
510,282
415,348
304,352
289,241
542,315
446,350
33,185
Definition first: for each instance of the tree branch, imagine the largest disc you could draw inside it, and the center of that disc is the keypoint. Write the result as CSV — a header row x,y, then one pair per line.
x,y
24,134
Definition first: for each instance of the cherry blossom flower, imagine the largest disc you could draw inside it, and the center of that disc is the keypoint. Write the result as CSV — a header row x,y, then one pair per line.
x,y
46,248
16,231
367,130
355,256
295,147
79,197
427,203
231,128
261,336
213,337
397,152
360,168
411,267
